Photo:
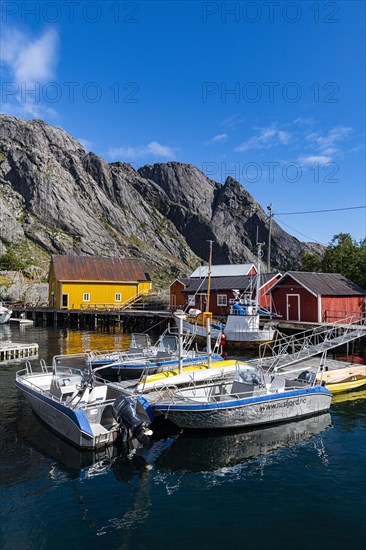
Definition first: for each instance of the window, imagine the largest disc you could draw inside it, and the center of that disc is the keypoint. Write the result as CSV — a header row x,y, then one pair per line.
x,y
221,300
117,297
65,300
191,300
86,297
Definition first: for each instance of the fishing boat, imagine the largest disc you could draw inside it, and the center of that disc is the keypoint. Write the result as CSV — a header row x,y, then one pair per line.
x,y
5,314
251,398
242,327
345,379
87,412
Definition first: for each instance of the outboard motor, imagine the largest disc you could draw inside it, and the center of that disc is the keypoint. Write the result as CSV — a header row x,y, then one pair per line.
x,y
124,411
307,376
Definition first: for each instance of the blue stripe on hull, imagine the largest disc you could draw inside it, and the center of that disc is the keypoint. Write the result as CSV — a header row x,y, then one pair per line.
x,y
240,402
77,416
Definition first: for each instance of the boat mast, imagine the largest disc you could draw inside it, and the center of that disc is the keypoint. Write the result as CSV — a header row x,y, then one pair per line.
x,y
259,254
209,279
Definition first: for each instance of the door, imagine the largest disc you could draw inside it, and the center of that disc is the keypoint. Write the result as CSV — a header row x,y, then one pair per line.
x,y
65,300
293,307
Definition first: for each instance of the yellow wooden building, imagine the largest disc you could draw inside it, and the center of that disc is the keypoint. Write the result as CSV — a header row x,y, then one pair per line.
x,y
89,282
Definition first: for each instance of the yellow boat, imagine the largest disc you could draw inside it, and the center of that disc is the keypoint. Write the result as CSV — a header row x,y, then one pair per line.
x,y
191,373
344,379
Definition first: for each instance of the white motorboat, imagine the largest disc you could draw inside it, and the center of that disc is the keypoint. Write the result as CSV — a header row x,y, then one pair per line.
x,y
5,314
252,398
89,413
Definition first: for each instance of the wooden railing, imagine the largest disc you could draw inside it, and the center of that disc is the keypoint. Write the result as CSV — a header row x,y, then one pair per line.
x,y
339,315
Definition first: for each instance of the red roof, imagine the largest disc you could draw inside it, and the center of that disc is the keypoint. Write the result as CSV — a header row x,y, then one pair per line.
x,y
92,268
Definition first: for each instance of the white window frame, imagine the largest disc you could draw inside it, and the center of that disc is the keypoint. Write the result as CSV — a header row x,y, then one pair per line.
x,y
191,299
219,298
120,297
88,297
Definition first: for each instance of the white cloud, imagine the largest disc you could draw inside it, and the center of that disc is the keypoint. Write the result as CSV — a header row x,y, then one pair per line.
x,y
88,145
30,59
160,150
219,138
153,148
328,143
266,138
27,63
315,159
304,121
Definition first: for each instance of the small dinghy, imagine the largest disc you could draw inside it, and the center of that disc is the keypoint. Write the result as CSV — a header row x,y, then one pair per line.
x,y
345,379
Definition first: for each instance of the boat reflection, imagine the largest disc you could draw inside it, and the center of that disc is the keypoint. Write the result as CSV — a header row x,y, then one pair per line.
x,y
193,452
349,396
171,450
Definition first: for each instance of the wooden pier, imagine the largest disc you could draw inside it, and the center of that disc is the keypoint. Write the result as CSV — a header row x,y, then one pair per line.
x,y
12,351
130,320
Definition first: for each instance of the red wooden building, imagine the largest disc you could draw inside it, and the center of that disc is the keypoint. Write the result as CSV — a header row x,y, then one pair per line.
x,y
316,297
192,292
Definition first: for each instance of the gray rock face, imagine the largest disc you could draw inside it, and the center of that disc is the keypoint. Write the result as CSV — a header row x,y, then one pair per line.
x,y
57,198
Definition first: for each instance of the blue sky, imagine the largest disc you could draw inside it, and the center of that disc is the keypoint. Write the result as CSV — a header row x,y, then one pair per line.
x,y
270,93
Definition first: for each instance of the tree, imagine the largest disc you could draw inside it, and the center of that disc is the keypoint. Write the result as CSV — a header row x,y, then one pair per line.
x,y
10,262
343,255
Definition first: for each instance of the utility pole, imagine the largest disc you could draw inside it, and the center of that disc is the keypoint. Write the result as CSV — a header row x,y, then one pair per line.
x,y
270,210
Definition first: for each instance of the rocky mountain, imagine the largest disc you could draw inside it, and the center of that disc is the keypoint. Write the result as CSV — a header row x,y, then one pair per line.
x,y
57,198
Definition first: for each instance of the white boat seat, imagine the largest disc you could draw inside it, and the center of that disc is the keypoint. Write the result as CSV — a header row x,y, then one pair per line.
x,y
98,394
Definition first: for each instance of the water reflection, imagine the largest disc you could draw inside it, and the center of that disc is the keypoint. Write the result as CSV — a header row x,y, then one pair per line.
x,y
193,452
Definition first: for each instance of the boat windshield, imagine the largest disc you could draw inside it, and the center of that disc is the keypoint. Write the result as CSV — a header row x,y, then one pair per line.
x,y
140,341
249,374
167,343
72,367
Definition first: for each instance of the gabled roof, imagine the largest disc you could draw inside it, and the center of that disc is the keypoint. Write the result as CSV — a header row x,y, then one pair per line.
x,y
228,283
184,280
227,270
92,268
323,284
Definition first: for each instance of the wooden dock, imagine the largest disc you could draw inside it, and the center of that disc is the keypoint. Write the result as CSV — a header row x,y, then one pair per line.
x,y
130,320
12,351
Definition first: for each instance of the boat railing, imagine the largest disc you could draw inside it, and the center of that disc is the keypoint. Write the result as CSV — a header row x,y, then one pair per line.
x,y
311,342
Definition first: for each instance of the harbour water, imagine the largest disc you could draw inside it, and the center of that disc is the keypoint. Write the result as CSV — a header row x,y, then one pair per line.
x,y
299,485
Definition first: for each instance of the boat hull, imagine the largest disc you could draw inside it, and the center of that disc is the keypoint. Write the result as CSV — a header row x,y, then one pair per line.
x,y
5,315
345,379
71,424
250,411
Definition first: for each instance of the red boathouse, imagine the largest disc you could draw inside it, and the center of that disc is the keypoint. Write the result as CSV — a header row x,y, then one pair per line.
x,y
316,297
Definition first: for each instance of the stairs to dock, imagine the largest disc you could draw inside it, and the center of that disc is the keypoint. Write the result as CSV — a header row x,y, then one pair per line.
x,y
299,347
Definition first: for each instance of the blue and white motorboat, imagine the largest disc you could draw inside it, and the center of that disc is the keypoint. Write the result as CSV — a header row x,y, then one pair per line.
x,y
161,357
140,346
88,412
251,398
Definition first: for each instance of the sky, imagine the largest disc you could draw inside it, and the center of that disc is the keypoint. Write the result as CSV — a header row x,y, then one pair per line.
x,y
271,93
